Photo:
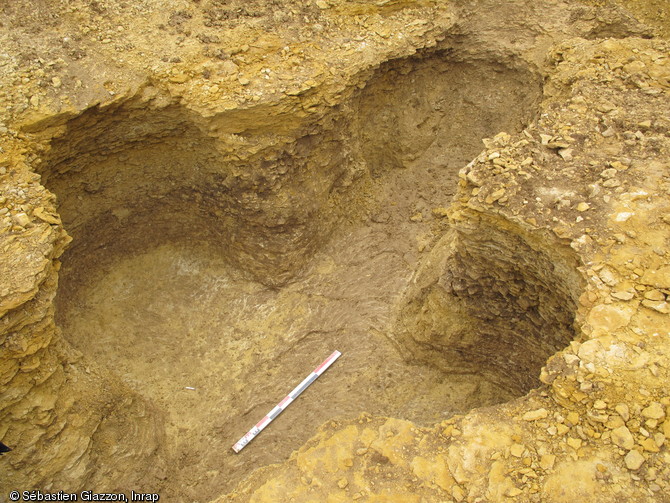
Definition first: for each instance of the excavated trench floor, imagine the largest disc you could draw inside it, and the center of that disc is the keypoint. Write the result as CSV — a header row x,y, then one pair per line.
x,y
215,350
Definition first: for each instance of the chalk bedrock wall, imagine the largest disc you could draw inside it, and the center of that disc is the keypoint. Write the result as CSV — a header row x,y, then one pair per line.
x,y
493,299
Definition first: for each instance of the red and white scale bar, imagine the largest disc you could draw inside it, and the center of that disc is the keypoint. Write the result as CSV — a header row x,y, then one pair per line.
x,y
279,408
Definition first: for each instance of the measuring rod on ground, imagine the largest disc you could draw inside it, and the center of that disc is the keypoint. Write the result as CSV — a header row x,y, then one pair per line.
x,y
279,408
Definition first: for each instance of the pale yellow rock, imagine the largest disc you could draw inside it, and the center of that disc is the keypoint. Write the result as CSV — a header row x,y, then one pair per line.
x,y
623,411
654,295
534,415
547,461
634,460
573,417
654,411
658,278
623,438
21,219
649,445
660,306
562,429
623,295
517,450
609,317
575,443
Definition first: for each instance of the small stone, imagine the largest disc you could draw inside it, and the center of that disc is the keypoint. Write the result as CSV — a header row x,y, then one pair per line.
x,y
661,307
634,460
608,276
608,173
614,422
517,450
458,493
40,213
575,443
623,411
599,404
440,212
179,78
35,100
573,417
654,411
649,445
473,178
534,415
658,278
605,107
654,295
623,295
566,154
583,206
623,438
244,81
21,219
547,461
56,82
513,492
342,483
495,195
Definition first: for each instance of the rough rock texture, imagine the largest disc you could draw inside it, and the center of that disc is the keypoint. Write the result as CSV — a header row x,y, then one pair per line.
x,y
314,147
597,429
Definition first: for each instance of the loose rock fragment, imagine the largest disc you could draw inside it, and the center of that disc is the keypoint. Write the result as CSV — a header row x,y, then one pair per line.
x,y
634,460
654,411
623,438
534,415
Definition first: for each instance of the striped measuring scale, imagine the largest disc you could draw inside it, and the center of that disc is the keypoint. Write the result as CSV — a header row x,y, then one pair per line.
x,y
279,408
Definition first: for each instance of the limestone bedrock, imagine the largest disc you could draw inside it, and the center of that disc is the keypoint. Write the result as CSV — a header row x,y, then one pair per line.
x,y
469,199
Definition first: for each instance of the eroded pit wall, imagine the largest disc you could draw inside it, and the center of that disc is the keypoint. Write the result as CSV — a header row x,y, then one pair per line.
x,y
492,300
265,187
62,418
146,171
430,111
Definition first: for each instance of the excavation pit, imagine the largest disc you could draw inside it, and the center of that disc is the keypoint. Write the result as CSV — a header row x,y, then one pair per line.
x,y
211,275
